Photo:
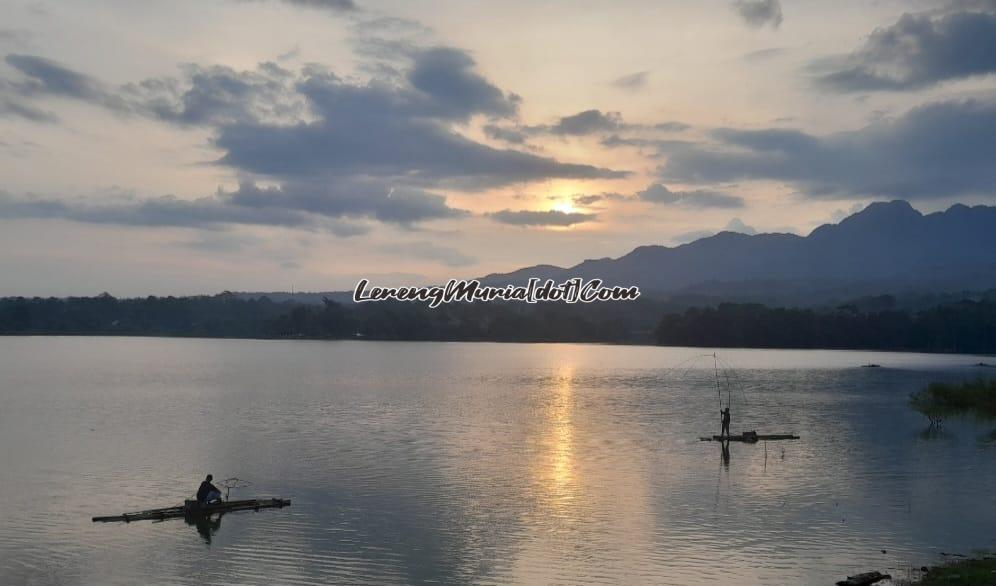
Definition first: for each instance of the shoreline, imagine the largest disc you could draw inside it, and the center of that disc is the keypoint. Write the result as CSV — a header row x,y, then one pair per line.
x,y
478,340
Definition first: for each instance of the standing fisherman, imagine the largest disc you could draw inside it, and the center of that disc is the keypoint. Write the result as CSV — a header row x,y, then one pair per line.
x,y
726,422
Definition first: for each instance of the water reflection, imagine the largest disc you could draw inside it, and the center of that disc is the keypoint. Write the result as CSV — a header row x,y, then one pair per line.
x,y
207,525
556,465
471,463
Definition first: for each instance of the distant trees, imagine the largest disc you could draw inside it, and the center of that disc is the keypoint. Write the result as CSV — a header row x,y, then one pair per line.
x,y
964,326
228,315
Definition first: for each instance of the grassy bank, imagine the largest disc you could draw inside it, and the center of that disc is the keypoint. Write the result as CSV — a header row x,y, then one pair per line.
x,y
941,400
977,572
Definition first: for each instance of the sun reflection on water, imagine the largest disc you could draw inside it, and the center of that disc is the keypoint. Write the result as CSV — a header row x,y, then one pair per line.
x,y
557,466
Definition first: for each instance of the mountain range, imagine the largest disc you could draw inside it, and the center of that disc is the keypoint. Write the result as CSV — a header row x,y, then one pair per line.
x,y
889,247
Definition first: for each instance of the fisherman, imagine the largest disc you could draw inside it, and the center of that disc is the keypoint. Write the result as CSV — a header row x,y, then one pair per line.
x,y
726,422
208,493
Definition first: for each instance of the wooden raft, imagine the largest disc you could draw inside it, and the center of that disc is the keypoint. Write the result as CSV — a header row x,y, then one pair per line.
x,y
750,437
193,508
865,579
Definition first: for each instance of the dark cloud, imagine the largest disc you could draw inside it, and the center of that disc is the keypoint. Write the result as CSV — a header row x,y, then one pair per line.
x,y
446,75
505,134
208,212
335,147
446,255
633,81
587,122
919,51
382,130
659,193
672,126
588,199
347,197
11,108
759,13
934,151
219,95
303,205
540,218
45,77
49,77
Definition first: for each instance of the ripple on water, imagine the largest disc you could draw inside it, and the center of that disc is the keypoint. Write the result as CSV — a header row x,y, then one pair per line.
x,y
474,463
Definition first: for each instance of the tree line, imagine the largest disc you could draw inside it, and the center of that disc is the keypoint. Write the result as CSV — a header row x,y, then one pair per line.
x,y
963,326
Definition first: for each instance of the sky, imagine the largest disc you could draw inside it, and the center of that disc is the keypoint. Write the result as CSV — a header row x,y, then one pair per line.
x,y
168,147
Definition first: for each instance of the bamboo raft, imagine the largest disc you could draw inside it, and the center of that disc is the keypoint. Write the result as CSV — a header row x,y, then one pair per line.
x,y
750,437
192,508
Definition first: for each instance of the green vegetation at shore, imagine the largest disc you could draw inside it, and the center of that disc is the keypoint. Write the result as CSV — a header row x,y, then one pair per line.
x,y
966,326
940,400
975,572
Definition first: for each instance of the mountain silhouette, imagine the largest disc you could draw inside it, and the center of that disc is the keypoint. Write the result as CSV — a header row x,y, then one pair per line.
x,y
888,246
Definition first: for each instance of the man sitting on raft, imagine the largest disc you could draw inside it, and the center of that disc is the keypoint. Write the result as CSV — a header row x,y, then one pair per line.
x,y
208,493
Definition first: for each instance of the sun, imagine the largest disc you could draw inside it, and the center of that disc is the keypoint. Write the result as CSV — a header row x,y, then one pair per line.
x,y
564,206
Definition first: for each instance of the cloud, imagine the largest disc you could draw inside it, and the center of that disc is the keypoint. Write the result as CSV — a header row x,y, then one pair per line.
x,y
692,236
15,37
633,81
334,146
540,218
737,225
332,5
764,54
672,126
382,130
11,108
346,197
938,150
208,212
920,50
759,13
218,95
221,242
299,205
661,146
446,255
505,134
446,76
659,193
46,77
587,122
588,199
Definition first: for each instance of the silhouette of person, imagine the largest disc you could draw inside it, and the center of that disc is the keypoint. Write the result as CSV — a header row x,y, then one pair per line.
x,y
726,422
208,493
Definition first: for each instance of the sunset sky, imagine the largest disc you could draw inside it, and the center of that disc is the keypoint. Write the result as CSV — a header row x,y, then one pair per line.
x,y
174,147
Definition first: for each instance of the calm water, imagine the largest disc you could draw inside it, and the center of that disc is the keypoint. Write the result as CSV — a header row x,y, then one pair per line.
x,y
477,463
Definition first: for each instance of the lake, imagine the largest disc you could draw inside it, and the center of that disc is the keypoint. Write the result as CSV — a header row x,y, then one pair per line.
x,y
479,463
